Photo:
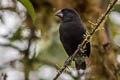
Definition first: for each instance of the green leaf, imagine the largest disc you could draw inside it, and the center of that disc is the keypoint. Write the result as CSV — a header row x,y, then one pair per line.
x,y
28,5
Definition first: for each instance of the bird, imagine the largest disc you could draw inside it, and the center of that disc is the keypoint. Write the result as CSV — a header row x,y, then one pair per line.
x,y
71,32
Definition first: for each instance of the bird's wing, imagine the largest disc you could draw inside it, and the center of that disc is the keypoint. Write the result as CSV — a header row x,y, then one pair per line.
x,y
68,48
87,49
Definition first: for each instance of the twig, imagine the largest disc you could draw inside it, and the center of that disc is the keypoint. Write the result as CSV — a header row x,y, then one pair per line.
x,y
87,38
47,62
31,38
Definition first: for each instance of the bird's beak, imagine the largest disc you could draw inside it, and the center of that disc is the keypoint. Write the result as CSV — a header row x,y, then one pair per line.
x,y
59,13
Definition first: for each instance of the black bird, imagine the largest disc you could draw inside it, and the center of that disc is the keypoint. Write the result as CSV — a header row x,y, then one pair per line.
x,y
72,33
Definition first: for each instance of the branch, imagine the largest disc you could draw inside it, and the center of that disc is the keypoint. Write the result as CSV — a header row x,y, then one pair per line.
x,y
10,45
31,38
47,62
87,38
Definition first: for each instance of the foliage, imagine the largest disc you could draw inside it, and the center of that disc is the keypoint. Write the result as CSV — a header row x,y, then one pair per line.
x,y
28,5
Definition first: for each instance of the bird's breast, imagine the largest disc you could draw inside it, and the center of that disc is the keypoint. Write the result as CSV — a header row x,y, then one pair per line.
x,y
70,33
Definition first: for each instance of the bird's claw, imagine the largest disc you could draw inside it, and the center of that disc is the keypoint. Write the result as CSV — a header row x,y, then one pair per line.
x,y
81,50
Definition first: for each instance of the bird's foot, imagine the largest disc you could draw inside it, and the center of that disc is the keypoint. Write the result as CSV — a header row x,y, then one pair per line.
x,y
81,51
83,55
80,48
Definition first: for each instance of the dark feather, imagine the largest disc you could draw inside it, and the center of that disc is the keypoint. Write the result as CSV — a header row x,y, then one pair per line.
x,y
72,33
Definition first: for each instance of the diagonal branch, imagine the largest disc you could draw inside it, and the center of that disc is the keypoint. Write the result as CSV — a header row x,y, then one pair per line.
x,y
88,37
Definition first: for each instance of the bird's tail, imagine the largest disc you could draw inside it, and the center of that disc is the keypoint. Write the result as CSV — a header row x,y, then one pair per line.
x,y
80,62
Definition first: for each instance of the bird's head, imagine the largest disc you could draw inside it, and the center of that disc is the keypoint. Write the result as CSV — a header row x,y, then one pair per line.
x,y
67,14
